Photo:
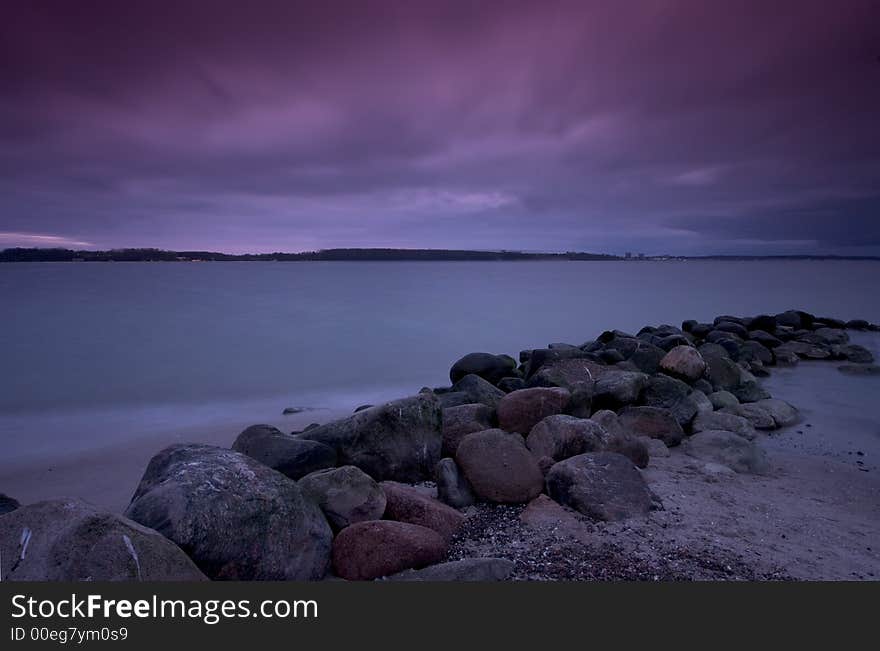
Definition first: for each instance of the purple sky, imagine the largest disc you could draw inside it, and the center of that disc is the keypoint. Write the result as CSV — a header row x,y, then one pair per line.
x,y
689,127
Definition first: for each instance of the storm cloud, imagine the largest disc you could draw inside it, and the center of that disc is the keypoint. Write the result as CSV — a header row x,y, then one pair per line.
x,y
659,126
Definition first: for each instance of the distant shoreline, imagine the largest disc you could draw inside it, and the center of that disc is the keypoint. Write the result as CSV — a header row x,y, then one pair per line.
x,y
373,255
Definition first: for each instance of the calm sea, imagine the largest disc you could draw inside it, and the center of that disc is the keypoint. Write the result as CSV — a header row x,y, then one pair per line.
x,y
96,354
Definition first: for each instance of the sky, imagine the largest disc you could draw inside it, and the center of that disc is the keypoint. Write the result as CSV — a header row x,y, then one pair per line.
x,y
658,126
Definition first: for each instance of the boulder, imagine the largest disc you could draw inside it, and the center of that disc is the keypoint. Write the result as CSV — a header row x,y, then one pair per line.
x,y
621,441
654,422
479,390
447,399
782,413
763,322
656,447
759,417
853,353
764,338
859,369
826,337
345,495
369,550
491,368
452,487
561,436
509,384
732,328
286,453
646,358
728,449
521,410
577,376
717,420
601,485
399,440
794,319
664,391
7,503
721,399
235,517
460,421
615,389
408,504
499,467
803,350
465,570
685,363
541,357
858,324
71,540
752,351
748,389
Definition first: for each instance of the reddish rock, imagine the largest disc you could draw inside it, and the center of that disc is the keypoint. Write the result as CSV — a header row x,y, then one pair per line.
x,y
408,504
561,436
684,362
368,550
499,467
519,411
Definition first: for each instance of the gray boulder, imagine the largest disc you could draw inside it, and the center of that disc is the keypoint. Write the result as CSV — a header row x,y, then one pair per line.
x,y
286,453
491,368
71,540
399,440
728,449
601,485
782,413
460,421
345,495
615,389
479,390
7,503
717,420
452,486
654,422
235,517
721,399
561,436
853,353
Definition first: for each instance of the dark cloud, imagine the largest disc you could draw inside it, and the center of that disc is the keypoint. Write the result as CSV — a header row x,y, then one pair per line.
x,y
659,126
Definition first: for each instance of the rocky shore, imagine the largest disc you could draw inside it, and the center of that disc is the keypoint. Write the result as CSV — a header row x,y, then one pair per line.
x,y
623,458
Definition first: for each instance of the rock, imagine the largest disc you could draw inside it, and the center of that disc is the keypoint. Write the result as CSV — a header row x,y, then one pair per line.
x,y
450,398
541,357
684,362
561,436
345,495
857,369
408,504
710,350
653,422
759,417
826,337
664,391
858,324
853,353
291,410
620,440
71,540
509,384
288,454
601,485
521,410
399,440
783,414
646,357
479,390
703,385
499,467
235,517
491,368
610,356
764,338
802,349
785,357
748,389
468,569
452,487
574,375
7,504
763,322
460,421
732,328
795,319
656,447
700,401
728,449
615,389
671,341
717,420
721,399
369,550
752,351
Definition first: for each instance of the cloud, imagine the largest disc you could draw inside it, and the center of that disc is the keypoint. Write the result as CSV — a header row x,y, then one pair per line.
x,y
661,126
34,239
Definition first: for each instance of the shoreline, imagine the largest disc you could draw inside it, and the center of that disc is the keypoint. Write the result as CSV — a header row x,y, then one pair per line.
x,y
709,522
